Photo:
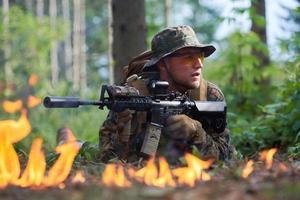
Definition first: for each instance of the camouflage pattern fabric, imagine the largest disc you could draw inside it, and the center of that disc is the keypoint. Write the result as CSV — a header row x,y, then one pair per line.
x,y
208,143
173,39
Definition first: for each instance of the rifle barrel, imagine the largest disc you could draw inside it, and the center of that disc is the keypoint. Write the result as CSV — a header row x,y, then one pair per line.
x,y
67,102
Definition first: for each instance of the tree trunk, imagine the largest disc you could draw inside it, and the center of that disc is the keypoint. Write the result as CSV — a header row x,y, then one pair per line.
x,y
129,33
83,79
76,45
168,13
110,43
29,5
40,9
7,50
54,56
67,40
261,31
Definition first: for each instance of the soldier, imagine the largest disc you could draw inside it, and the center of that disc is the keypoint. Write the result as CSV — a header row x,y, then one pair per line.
x,y
176,56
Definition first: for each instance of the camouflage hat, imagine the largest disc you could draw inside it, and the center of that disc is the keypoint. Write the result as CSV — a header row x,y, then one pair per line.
x,y
172,39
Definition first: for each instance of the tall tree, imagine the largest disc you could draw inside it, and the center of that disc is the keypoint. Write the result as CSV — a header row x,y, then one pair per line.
x,y
258,17
67,40
79,57
40,9
54,55
110,43
83,73
29,5
7,50
168,13
76,45
129,33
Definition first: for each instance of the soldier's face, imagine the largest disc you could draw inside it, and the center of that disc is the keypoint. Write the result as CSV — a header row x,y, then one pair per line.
x,y
184,67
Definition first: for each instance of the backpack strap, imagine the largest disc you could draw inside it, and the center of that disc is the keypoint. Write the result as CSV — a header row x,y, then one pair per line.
x,y
200,93
138,83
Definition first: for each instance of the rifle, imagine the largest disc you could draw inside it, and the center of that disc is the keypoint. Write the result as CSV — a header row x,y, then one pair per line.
x,y
159,106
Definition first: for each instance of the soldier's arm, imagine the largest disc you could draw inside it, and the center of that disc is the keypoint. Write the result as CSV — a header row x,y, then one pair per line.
x,y
108,137
209,143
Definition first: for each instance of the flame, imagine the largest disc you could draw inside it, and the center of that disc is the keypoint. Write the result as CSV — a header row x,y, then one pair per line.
x,y
248,169
267,156
150,174
33,101
34,173
10,166
16,130
114,175
79,177
62,167
11,131
165,175
193,172
33,80
161,176
12,106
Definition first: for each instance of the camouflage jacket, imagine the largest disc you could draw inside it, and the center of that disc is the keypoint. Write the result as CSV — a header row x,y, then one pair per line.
x,y
208,143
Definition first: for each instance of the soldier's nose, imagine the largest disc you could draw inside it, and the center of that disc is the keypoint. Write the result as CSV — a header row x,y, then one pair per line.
x,y
198,63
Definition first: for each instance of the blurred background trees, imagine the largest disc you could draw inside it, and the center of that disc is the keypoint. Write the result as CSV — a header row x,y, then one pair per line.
x,y
74,46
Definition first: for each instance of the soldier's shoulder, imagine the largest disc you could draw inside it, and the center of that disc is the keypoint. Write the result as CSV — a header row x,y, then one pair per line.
x,y
214,93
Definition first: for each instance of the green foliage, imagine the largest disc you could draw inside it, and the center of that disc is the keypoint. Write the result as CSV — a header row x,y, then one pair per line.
x,y
260,115
30,41
96,40
88,152
277,125
237,73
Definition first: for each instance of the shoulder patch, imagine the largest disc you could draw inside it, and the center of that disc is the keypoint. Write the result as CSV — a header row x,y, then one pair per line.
x,y
214,93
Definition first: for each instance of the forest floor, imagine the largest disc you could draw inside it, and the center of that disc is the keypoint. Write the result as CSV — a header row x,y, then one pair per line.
x,y
280,182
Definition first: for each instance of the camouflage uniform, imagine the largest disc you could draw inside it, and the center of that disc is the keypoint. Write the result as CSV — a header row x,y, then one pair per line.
x,y
208,143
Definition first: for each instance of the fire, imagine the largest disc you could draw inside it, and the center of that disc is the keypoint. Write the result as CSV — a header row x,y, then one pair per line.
x,y
12,131
34,173
193,172
62,167
33,80
10,166
12,106
161,176
79,177
33,101
15,131
153,176
267,156
248,169
114,175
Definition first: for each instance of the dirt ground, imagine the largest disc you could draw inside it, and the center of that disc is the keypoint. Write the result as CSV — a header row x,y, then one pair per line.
x,y
283,188
226,184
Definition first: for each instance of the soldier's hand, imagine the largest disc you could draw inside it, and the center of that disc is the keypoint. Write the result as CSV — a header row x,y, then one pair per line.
x,y
181,127
122,118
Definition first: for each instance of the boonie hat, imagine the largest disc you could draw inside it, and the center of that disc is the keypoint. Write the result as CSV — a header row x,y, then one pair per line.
x,y
173,39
